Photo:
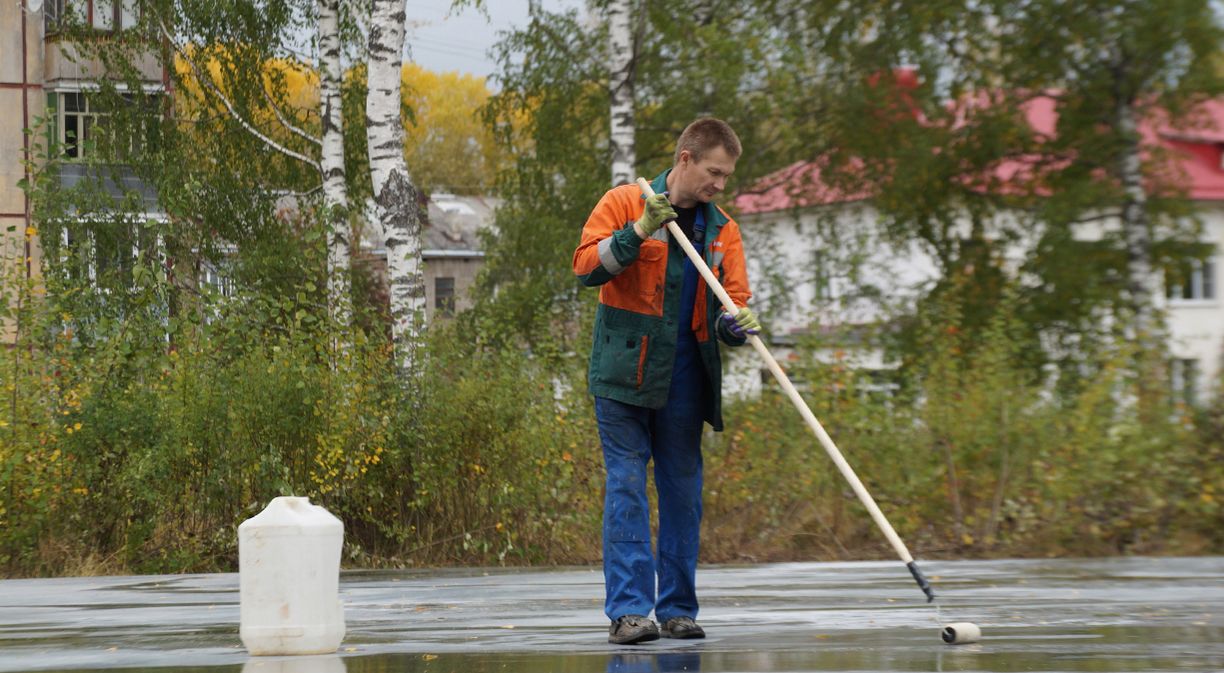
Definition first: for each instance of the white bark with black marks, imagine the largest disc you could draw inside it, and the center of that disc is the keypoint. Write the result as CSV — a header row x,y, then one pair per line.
x,y
335,194
620,85
1136,227
394,194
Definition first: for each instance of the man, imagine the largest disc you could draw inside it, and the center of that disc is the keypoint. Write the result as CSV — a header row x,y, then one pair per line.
x,y
656,374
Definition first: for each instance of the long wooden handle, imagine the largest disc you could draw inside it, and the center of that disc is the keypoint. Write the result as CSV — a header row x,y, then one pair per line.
x,y
789,388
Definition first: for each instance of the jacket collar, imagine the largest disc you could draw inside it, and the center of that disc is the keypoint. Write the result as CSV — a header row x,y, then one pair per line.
x,y
713,216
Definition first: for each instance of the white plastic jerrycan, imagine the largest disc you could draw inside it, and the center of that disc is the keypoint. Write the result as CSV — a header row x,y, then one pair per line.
x,y
289,579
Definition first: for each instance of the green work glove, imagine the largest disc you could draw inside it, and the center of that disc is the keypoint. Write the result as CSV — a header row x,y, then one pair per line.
x,y
658,212
742,324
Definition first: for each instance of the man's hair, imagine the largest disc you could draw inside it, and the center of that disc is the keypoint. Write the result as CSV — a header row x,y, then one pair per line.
x,y
704,135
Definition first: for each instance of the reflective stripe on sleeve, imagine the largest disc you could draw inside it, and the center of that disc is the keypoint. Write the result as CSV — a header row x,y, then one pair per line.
x,y
607,259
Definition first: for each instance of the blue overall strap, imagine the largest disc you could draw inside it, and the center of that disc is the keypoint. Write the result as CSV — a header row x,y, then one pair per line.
x,y
688,290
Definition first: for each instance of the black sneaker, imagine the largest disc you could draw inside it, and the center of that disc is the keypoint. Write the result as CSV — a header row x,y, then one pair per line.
x,y
682,628
632,629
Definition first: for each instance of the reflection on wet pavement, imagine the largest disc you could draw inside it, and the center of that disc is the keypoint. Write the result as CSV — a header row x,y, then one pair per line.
x,y
1133,614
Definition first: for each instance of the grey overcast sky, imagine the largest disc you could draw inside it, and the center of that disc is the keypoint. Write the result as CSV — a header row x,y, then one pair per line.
x,y
442,40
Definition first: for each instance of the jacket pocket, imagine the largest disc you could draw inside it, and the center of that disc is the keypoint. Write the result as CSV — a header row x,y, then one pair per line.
x,y
646,274
622,359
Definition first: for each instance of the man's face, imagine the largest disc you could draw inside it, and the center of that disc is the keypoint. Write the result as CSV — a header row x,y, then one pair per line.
x,y
701,181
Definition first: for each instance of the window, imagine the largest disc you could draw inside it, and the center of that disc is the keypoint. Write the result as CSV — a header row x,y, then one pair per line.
x,y
821,277
82,124
216,287
129,13
104,253
77,124
444,295
212,278
1196,281
1183,380
102,15
76,253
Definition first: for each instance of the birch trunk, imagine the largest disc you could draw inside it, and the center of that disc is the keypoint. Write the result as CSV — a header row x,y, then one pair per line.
x,y
1136,232
394,193
335,195
620,85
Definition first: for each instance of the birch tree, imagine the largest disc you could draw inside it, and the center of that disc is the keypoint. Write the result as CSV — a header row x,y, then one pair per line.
x,y
395,203
335,189
621,59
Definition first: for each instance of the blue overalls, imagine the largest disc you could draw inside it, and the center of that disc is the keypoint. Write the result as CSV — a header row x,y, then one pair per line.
x,y
631,437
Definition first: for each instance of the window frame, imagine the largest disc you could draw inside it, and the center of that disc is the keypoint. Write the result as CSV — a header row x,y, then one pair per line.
x,y
59,133
444,304
211,275
84,236
1201,283
822,278
123,13
1184,375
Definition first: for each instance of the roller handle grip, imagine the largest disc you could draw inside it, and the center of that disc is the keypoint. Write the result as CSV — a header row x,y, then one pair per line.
x,y
921,580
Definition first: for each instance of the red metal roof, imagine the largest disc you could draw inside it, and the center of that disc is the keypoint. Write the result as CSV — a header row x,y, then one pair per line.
x,y
1197,166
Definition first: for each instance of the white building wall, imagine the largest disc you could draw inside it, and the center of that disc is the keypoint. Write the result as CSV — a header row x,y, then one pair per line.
x,y
1196,326
822,268
817,269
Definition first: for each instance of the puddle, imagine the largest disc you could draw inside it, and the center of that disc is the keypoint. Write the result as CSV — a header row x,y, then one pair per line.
x,y
1133,614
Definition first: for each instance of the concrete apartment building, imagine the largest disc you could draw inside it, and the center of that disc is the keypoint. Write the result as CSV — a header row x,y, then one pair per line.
x,y
44,87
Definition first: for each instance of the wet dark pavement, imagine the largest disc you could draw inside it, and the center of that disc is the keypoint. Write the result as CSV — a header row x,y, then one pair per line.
x,y
1131,614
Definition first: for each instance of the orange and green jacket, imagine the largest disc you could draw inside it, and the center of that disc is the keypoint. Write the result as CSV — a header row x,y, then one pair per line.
x,y
639,295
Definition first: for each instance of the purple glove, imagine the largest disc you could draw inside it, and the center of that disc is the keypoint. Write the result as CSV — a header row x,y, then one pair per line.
x,y
741,324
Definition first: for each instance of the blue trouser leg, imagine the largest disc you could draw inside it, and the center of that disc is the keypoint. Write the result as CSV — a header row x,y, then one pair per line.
x,y
629,572
676,429
678,482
